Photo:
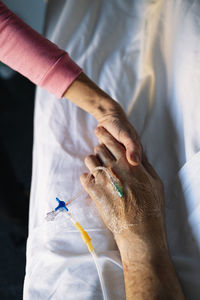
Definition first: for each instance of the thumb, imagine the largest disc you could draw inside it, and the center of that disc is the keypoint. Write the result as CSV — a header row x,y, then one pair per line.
x,y
133,149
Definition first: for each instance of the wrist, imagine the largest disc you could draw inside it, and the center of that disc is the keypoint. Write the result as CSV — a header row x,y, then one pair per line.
x,y
105,106
143,241
86,94
146,262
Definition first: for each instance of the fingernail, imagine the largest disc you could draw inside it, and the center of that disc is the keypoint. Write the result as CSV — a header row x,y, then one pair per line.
x,y
135,157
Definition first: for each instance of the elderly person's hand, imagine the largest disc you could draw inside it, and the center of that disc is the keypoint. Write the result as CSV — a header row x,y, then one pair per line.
x,y
143,199
136,219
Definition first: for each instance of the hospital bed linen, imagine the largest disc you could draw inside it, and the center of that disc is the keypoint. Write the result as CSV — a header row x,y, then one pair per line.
x,y
145,54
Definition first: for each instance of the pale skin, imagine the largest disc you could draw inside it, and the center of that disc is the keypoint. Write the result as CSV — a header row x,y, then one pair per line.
x,y
136,220
108,113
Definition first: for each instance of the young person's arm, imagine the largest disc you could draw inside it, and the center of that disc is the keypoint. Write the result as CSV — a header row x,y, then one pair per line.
x,y
41,61
108,113
29,53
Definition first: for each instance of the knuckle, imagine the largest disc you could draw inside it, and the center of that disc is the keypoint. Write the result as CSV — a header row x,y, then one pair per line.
x,y
105,135
88,158
126,135
131,144
98,148
130,134
110,143
99,130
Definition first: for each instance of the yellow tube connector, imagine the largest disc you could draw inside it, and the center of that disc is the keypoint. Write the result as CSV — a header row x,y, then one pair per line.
x,y
85,237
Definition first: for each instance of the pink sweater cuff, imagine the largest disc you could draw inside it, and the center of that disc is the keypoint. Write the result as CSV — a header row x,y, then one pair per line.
x,y
60,75
35,57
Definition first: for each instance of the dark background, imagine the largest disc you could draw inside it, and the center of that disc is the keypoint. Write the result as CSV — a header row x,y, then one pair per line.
x,y
16,139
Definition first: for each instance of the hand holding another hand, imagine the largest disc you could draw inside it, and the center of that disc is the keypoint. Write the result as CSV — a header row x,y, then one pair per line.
x,y
143,199
136,219
116,123
108,113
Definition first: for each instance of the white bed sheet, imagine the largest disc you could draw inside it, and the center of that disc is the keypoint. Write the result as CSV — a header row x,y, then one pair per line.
x,y
145,54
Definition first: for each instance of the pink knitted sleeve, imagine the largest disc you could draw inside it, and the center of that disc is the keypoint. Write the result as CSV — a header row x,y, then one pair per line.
x,y
35,57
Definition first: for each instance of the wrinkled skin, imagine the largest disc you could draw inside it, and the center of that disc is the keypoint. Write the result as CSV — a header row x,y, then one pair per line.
x,y
143,199
117,124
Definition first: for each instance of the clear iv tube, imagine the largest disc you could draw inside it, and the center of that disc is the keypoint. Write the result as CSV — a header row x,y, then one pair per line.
x,y
95,258
114,181
52,215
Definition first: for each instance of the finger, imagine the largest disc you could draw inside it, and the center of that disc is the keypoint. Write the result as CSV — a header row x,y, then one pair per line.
x,y
89,185
116,149
87,181
133,152
133,148
92,162
104,155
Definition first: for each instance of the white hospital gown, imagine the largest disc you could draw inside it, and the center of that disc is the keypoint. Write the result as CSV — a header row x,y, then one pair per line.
x,y
145,54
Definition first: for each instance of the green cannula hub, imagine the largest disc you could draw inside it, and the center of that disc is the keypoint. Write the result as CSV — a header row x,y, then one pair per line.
x,y
119,189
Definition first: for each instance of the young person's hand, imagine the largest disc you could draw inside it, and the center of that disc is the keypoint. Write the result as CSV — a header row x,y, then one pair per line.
x,y
108,113
117,124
